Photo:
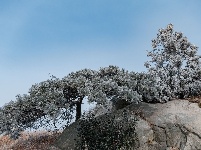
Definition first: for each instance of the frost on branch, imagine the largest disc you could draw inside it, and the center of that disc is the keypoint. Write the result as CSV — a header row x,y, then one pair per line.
x,y
55,99
174,64
113,84
76,88
145,85
43,104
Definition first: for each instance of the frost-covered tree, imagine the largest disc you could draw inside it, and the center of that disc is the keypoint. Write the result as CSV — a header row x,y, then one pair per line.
x,y
176,66
45,103
113,88
56,99
146,86
175,73
76,87
113,84
51,100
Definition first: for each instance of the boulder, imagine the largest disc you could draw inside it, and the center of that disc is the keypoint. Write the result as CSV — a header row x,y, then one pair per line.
x,y
175,125
66,140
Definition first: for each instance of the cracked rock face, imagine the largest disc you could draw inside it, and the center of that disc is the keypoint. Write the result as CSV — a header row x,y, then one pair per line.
x,y
172,125
175,125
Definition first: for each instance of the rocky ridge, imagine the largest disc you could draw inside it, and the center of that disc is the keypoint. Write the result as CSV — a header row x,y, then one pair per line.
x,y
172,125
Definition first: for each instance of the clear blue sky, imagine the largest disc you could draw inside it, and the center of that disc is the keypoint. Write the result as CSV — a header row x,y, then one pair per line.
x,y
38,37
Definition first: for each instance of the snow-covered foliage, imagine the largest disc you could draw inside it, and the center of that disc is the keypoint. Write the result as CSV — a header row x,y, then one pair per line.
x,y
45,101
175,65
174,72
54,99
111,83
80,81
146,86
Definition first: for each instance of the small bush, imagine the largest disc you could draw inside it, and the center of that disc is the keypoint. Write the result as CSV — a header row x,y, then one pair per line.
x,y
106,133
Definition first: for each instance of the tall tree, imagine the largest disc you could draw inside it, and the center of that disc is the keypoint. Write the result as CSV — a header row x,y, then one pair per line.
x,y
175,64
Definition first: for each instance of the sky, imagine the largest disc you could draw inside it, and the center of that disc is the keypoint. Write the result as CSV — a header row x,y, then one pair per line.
x,y
38,37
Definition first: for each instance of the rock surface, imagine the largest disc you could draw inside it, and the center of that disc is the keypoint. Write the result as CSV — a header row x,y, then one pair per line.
x,y
175,125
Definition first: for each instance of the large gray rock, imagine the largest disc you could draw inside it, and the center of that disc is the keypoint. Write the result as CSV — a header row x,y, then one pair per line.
x,y
66,140
169,126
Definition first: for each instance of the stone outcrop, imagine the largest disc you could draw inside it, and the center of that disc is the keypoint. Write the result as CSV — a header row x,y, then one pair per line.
x,y
175,125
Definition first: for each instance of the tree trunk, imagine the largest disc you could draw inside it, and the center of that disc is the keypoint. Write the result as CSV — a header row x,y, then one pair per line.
x,y
78,109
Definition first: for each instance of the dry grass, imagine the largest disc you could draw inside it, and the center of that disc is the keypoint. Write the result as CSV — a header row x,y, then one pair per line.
x,y
39,140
